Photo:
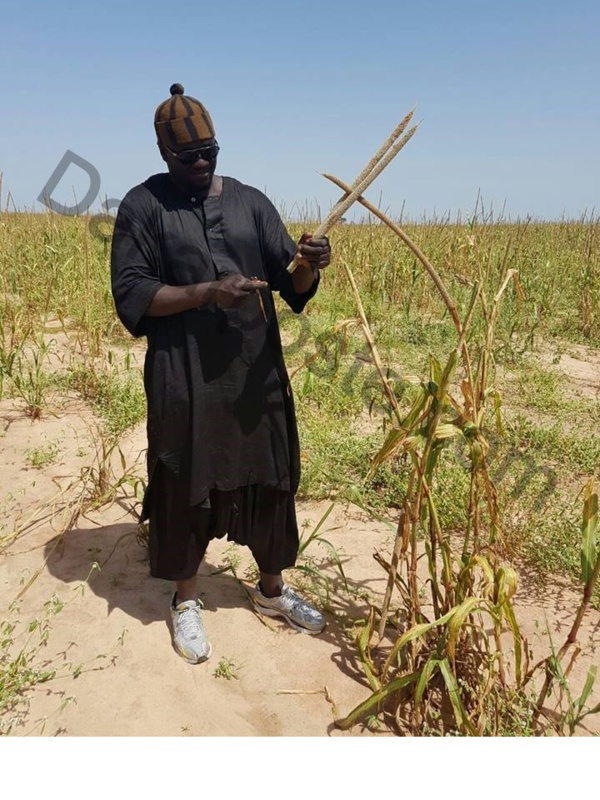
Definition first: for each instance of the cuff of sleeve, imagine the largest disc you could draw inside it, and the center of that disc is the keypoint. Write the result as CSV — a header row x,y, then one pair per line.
x,y
133,310
296,300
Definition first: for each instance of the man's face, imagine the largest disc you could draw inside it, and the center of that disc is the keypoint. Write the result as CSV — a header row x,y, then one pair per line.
x,y
195,176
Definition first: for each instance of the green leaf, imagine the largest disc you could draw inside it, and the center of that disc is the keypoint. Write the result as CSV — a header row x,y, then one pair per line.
x,y
483,563
594,710
363,645
462,720
414,633
412,443
450,367
375,699
509,613
506,583
305,542
417,408
335,558
447,431
589,530
466,608
427,672
391,445
587,688
435,370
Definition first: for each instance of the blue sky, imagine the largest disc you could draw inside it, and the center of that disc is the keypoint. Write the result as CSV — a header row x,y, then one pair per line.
x,y
507,95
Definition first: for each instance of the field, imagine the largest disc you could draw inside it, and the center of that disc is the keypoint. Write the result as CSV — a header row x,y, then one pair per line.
x,y
448,505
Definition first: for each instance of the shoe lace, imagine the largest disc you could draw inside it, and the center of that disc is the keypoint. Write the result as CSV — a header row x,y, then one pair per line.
x,y
189,622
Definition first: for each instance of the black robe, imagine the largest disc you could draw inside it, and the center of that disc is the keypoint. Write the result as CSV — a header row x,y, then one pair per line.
x,y
220,408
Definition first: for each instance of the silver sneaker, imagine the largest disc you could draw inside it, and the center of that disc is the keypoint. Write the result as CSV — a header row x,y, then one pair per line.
x,y
189,636
299,613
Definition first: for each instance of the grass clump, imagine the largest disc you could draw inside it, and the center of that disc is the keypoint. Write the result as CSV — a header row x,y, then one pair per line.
x,y
226,669
117,397
40,457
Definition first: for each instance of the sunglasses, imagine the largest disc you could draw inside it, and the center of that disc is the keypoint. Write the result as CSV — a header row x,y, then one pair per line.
x,y
188,157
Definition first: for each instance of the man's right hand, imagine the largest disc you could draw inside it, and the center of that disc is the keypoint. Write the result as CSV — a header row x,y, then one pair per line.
x,y
234,290
229,292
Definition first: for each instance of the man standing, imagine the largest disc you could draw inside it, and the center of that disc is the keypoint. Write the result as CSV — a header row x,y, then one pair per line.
x,y
195,259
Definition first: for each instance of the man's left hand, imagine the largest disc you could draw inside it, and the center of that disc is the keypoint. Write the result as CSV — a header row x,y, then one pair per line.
x,y
316,253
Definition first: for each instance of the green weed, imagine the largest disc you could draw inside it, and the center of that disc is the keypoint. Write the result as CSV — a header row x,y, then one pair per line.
x,y
117,397
227,669
43,456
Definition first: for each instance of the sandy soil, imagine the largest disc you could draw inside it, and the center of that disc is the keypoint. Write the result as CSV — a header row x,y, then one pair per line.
x,y
132,683
582,367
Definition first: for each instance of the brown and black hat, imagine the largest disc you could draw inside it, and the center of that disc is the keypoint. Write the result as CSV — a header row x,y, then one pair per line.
x,y
182,120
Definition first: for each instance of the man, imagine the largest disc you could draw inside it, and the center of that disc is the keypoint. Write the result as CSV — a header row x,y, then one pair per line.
x,y
195,259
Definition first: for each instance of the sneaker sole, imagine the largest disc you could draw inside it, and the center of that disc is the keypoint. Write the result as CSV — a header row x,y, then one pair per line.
x,y
272,612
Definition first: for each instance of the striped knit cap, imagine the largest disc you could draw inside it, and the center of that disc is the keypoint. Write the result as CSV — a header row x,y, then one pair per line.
x,y
182,120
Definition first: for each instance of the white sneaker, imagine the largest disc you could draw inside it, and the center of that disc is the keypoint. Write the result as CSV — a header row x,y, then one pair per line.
x,y
189,636
295,610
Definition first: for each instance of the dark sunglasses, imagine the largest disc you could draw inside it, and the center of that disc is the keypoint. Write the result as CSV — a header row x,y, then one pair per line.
x,y
207,153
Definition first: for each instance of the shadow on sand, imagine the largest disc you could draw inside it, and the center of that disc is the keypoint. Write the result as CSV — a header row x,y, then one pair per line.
x,y
124,581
